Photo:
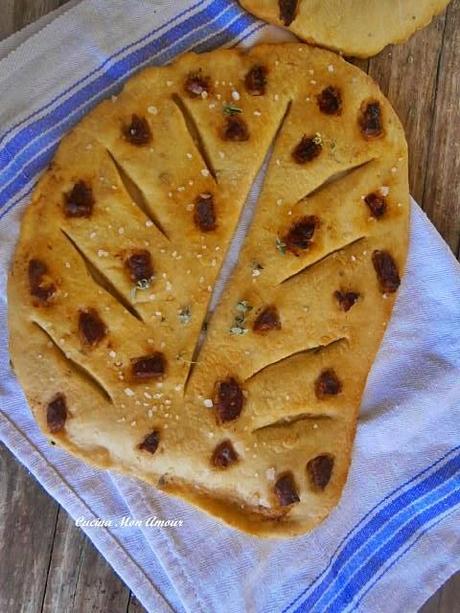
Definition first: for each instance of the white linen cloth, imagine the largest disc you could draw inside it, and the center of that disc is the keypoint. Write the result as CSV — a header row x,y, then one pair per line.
x,y
394,538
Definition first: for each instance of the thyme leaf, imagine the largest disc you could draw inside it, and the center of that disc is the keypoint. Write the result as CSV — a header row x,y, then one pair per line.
x,y
231,109
185,315
281,246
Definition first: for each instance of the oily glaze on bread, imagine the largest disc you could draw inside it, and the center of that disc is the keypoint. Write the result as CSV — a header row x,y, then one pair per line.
x,y
123,241
359,28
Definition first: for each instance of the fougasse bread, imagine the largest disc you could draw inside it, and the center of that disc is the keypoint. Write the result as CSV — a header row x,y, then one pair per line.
x,y
359,28
122,244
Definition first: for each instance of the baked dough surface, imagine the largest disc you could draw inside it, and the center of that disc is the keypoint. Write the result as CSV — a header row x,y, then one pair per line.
x,y
123,241
359,28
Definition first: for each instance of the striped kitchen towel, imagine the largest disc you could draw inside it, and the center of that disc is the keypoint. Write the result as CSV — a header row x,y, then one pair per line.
x,y
394,538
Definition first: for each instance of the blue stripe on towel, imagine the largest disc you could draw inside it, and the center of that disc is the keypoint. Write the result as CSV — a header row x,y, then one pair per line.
x,y
100,67
35,145
389,527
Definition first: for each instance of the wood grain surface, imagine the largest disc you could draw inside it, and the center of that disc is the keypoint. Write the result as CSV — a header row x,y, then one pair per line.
x,y
47,564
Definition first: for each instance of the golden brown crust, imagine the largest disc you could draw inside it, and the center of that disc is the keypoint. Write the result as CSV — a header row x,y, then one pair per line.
x,y
120,249
359,28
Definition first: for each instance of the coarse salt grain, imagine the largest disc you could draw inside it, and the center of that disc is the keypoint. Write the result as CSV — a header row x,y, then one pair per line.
x,y
129,392
152,110
208,403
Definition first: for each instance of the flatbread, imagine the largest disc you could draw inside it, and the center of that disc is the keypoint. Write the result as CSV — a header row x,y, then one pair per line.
x,y
359,28
121,247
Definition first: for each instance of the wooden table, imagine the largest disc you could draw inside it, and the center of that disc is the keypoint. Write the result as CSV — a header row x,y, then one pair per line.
x,y
46,562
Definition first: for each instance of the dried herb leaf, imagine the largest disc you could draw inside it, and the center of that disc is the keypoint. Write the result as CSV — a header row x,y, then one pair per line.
x,y
230,109
185,315
281,246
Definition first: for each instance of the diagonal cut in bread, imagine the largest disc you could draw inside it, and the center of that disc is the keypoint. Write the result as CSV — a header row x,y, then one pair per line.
x,y
359,28
252,416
